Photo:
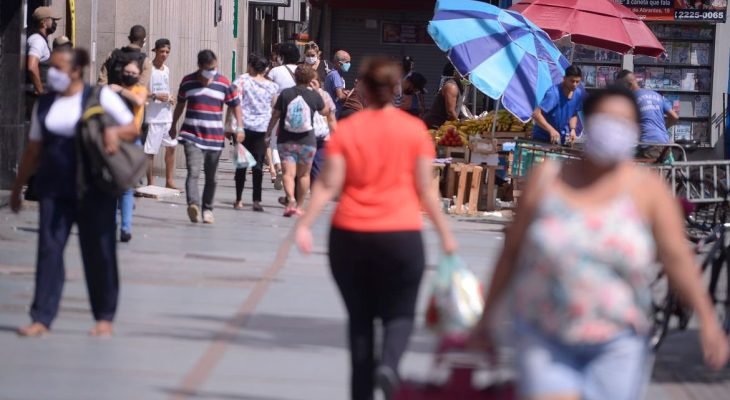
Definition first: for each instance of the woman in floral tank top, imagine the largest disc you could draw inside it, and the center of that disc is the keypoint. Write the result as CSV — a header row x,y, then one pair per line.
x,y
577,258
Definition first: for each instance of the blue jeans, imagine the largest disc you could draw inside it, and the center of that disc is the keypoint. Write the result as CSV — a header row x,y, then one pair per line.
x,y
126,210
616,369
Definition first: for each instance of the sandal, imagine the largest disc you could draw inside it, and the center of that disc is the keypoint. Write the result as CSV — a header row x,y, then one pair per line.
x,y
238,205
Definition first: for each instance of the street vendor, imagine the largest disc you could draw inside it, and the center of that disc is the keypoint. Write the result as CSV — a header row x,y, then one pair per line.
x,y
446,104
657,116
556,119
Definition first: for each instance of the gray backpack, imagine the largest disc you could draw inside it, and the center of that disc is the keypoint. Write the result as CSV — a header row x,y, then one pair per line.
x,y
110,173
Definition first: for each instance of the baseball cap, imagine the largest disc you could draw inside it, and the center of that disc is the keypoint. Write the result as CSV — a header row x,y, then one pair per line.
x,y
42,13
60,41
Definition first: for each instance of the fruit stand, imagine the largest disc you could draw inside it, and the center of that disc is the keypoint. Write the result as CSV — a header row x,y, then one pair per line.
x,y
475,156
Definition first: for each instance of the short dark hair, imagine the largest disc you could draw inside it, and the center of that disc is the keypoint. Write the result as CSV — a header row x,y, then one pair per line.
x,y
448,70
417,80
289,53
590,106
137,34
79,57
258,63
573,71
380,76
304,74
206,57
623,74
160,43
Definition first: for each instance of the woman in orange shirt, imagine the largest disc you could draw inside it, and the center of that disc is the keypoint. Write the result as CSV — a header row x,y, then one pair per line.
x,y
379,161
135,95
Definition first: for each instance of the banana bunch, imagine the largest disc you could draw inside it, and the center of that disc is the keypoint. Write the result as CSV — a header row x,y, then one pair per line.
x,y
506,122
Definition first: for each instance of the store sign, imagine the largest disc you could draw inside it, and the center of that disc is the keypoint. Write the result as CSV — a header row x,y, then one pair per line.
x,y
405,33
679,10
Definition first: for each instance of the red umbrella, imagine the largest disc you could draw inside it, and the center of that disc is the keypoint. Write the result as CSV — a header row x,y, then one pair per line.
x,y
599,23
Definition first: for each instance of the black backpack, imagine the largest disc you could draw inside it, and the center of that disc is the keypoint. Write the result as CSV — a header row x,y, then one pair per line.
x,y
119,58
115,173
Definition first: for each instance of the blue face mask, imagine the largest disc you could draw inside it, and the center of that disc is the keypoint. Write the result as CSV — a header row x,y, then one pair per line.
x,y
345,66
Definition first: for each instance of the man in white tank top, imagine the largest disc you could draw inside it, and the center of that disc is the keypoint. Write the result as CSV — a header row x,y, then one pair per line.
x,y
159,114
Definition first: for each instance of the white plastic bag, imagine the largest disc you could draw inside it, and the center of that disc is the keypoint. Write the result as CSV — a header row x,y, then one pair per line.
x,y
241,157
456,302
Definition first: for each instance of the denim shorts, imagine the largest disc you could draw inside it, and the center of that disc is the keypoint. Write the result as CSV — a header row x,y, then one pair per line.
x,y
297,153
617,369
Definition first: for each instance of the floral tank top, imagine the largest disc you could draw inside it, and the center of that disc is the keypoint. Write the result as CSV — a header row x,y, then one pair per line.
x,y
584,275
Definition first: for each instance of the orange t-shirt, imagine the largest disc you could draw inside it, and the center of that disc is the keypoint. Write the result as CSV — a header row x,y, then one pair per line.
x,y
138,111
380,148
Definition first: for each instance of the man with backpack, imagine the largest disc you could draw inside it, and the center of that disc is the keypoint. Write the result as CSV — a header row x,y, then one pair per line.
x,y
111,70
294,111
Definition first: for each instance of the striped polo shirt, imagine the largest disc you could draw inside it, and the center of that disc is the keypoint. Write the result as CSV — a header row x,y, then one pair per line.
x,y
203,123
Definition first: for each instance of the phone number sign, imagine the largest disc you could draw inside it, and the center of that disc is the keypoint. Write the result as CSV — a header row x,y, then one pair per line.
x,y
700,15
678,10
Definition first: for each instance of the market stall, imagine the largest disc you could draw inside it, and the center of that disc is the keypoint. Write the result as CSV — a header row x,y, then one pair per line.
x,y
508,58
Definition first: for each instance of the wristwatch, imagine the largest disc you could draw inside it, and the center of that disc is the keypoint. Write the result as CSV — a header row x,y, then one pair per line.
x,y
239,130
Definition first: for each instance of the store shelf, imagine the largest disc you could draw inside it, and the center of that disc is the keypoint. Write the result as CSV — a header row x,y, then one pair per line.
x,y
599,63
670,65
695,118
680,91
685,40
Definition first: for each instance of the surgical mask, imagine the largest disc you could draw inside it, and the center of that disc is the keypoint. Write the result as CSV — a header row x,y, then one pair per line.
x,y
129,80
345,67
610,140
57,80
208,73
310,60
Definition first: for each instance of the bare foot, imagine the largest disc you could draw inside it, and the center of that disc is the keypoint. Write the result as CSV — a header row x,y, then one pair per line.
x,y
102,329
36,329
238,205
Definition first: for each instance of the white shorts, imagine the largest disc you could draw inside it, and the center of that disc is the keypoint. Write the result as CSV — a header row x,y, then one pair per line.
x,y
158,134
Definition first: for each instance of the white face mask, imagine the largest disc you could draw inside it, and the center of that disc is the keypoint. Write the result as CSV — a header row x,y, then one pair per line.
x,y
58,81
208,74
310,60
610,140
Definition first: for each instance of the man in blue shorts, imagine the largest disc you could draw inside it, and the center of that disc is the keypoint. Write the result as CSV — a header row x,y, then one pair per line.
x,y
556,119
657,116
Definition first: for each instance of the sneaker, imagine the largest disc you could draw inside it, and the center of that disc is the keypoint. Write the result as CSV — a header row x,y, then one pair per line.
x,y
387,381
125,236
194,213
283,201
279,182
257,207
208,217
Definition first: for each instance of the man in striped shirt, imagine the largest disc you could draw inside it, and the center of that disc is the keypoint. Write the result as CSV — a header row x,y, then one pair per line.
x,y
202,96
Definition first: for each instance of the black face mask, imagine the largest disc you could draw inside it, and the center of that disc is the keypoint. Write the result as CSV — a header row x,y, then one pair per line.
x,y
129,80
53,27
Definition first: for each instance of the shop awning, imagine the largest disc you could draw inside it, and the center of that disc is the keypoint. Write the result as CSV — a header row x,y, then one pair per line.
x,y
423,5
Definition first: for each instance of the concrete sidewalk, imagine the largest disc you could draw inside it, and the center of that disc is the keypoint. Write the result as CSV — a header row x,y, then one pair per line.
x,y
228,312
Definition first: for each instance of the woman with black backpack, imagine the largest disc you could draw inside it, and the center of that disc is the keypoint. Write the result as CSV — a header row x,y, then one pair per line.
x,y
52,154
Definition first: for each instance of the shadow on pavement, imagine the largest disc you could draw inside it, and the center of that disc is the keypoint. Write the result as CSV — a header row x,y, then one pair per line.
x,y
207,395
262,331
680,360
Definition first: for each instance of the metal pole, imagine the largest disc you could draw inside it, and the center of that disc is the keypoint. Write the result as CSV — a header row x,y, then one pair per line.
x,y
496,115
474,100
572,52
94,29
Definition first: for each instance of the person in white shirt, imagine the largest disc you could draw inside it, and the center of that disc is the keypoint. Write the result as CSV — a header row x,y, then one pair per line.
x,y
38,50
53,152
159,114
287,56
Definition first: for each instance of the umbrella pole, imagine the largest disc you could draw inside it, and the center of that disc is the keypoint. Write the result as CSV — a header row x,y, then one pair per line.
x,y
496,114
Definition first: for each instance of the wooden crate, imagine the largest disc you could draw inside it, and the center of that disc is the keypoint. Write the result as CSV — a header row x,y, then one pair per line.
x,y
468,185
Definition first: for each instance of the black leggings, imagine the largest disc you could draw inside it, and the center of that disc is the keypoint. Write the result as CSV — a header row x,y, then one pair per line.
x,y
255,143
378,274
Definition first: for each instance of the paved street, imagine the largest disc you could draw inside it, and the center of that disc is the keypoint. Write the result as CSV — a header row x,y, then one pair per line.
x,y
227,312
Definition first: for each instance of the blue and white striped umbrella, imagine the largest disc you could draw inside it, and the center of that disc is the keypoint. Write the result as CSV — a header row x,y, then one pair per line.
x,y
504,55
